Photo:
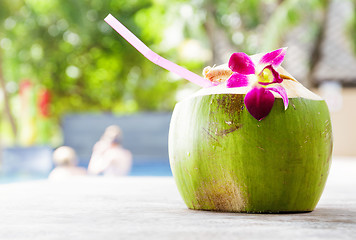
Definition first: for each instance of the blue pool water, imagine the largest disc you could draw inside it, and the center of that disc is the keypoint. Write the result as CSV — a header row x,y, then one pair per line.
x,y
151,169
138,169
21,164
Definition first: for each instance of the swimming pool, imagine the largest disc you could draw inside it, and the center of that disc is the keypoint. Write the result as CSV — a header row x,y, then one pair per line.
x,y
138,169
151,169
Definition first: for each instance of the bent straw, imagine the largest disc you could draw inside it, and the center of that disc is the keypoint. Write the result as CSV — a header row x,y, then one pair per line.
x,y
154,57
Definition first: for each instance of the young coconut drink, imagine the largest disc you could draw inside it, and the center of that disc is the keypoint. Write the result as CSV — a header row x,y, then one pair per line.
x,y
252,140
258,142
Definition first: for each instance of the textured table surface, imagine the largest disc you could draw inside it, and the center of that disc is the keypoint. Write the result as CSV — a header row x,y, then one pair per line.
x,y
151,208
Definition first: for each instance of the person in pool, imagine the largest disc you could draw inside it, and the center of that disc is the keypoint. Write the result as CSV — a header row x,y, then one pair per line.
x,y
65,160
109,158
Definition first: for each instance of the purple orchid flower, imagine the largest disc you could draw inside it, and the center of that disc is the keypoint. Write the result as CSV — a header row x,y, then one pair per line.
x,y
262,78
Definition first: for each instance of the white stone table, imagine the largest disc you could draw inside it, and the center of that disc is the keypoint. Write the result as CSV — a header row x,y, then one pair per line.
x,y
151,208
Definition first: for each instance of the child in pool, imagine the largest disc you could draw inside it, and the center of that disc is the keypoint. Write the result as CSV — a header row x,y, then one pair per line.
x,y
65,160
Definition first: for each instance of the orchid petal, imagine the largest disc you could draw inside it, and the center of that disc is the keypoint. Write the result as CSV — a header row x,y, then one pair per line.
x,y
259,102
282,92
237,80
241,63
276,77
274,58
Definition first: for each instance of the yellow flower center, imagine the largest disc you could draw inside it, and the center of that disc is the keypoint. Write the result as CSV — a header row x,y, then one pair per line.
x,y
266,76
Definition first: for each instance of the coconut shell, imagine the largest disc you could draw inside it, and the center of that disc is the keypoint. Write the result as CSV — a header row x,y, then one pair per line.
x,y
223,159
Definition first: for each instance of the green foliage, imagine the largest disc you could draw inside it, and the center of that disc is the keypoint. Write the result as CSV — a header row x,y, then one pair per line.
x,y
68,48
288,14
352,28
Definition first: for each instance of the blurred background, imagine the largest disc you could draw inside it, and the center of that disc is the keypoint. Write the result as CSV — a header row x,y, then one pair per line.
x,y
65,75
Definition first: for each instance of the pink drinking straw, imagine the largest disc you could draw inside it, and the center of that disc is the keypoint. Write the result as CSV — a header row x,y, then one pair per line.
x,y
154,57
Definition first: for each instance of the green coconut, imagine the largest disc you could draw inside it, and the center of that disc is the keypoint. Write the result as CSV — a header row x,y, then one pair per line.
x,y
223,159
